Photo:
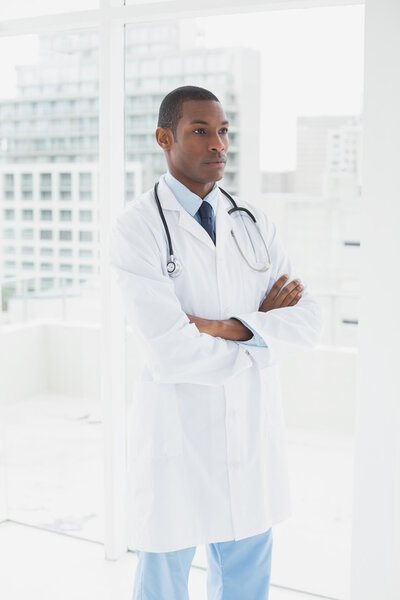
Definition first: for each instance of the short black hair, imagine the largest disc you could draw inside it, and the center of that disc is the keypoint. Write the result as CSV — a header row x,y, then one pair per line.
x,y
171,107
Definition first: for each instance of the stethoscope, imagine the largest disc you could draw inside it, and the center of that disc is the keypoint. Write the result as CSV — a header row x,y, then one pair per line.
x,y
174,266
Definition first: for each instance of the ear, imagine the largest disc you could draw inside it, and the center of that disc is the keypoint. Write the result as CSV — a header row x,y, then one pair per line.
x,y
164,137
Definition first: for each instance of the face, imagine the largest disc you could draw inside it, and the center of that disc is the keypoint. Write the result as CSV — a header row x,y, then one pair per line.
x,y
198,155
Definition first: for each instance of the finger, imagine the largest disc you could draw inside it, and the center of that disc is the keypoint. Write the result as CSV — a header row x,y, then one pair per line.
x,y
278,285
289,292
295,300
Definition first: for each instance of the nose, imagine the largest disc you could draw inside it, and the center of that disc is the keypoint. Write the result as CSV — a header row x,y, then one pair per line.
x,y
217,144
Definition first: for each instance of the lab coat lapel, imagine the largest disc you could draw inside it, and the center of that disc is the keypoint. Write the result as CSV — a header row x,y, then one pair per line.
x,y
223,222
185,220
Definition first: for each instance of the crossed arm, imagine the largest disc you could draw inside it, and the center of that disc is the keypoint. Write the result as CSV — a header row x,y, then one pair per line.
x,y
232,329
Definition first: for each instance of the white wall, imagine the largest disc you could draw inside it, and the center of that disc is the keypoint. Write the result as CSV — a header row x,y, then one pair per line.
x,y
376,526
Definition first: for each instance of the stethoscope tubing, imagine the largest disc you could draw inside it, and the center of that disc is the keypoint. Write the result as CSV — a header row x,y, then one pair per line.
x,y
234,208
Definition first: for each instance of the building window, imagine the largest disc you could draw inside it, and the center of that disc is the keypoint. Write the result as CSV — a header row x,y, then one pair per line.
x,y
85,195
27,195
9,234
46,251
46,215
9,264
45,180
9,249
9,195
9,214
46,266
46,283
27,214
27,250
85,180
65,215
85,253
65,267
65,180
85,236
8,179
26,180
27,234
65,235
85,268
46,234
45,194
65,252
85,215
65,195
27,266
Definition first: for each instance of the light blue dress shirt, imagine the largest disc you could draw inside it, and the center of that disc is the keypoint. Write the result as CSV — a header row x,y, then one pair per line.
x,y
191,202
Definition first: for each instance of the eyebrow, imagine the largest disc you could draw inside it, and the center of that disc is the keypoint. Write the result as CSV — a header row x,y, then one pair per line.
x,y
206,123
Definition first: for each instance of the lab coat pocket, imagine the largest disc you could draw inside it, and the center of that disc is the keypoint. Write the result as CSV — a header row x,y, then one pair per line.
x,y
155,431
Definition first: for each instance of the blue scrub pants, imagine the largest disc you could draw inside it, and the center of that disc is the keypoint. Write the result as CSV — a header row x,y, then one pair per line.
x,y
237,570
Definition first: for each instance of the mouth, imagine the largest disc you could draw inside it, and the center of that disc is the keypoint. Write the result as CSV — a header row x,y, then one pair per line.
x,y
216,163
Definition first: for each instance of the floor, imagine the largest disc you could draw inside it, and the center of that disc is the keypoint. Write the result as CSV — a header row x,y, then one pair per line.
x,y
53,451
67,568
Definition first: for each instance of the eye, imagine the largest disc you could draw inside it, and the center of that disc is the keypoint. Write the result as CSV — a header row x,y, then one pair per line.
x,y
199,129
224,130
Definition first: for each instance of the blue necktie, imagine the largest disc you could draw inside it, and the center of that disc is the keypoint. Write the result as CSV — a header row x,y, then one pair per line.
x,y
206,216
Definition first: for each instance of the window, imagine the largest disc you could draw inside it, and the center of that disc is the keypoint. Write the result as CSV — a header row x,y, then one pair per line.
x,y
27,214
83,253
27,195
85,180
65,235
27,250
46,215
46,251
45,180
8,234
45,194
46,266
85,215
85,236
26,180
27,234
8,180
27,266
85,195
65,267
64,195
65,180
65,252
9,214
86,268
9,264
65,215
8,195
9,249
46,234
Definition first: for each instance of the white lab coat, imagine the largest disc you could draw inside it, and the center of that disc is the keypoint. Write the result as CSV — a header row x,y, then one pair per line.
x,y
207,453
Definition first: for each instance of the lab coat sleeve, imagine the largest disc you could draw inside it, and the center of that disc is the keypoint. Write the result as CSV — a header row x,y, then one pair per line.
x,y
290,328
174,349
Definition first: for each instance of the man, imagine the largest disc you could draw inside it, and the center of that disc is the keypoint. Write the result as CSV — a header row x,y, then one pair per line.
x,y
215,304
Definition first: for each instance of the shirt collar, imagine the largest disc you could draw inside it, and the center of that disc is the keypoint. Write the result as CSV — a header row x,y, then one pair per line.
x,y
189,200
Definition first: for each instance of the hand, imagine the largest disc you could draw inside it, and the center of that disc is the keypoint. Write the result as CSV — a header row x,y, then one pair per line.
x,y
279,298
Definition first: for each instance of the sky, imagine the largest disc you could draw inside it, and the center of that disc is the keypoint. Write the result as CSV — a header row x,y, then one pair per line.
x,y
311,64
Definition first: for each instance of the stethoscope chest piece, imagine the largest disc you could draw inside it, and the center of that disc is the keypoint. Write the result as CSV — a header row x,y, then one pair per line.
x,y
174,267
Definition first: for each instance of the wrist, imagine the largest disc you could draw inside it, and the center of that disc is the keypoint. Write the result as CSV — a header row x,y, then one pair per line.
x,y
235,330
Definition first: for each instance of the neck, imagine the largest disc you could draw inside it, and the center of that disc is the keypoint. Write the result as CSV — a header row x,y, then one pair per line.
x,y
200,189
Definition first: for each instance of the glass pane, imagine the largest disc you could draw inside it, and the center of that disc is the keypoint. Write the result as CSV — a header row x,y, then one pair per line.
x,y
48,157
293,96
26,8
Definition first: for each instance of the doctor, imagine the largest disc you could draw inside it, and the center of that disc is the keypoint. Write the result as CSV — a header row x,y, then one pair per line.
x,y
207,457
